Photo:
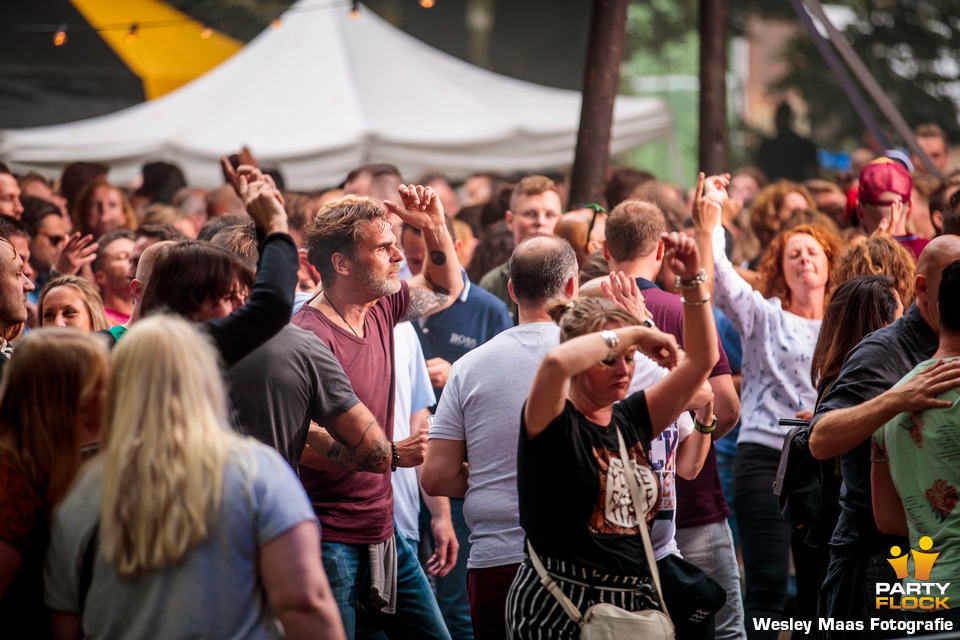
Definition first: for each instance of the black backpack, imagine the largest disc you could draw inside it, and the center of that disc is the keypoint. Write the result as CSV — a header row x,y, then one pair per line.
x,y
808,490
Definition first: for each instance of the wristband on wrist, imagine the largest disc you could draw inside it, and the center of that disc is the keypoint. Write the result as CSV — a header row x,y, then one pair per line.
x,y
696,303
396,456
705,428
693,282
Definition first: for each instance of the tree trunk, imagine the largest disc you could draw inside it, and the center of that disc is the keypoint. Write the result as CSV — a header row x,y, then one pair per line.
x,y
714,20
601,75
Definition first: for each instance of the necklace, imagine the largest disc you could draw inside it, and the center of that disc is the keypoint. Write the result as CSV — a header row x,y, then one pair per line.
x,y
330,302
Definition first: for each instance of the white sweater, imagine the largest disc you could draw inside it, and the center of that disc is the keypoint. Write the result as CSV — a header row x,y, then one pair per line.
x,y
777,350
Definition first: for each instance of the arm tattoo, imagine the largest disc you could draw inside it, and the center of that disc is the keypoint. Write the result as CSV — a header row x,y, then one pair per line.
x,y
438,258
335,450
372,459
436,287
423,303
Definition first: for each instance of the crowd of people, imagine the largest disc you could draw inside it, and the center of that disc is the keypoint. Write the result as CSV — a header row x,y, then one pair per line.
x,y
409,410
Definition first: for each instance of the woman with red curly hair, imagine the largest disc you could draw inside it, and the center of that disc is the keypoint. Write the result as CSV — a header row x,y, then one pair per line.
x,y
779,326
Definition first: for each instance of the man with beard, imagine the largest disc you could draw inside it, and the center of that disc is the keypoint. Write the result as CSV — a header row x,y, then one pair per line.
x,y
353,248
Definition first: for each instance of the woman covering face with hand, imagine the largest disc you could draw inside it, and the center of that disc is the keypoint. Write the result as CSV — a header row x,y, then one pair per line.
x,y
574,506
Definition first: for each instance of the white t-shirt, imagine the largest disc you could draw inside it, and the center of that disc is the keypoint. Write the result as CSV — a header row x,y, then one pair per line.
x,y
481,406
414,393
663,459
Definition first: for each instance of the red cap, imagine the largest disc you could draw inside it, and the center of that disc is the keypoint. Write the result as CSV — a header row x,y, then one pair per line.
x,y
883,175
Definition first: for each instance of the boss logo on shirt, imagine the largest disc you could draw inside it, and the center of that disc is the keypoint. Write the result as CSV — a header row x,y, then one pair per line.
x,y
463,341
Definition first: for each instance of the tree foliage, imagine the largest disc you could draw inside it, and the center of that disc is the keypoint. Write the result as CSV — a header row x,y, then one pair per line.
x,y
910,47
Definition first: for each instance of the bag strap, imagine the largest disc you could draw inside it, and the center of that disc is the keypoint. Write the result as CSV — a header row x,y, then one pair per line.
x,y
631,477
551,586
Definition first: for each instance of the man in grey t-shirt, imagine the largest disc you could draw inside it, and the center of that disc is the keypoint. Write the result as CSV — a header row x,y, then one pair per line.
x,y
479,419
293,379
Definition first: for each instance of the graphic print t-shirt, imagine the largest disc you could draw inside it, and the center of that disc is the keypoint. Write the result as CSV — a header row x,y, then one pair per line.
x,y
575,503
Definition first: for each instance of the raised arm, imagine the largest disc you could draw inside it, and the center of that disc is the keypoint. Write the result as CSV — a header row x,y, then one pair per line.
x,y
440,282
667,398
548,393
271,300
731,293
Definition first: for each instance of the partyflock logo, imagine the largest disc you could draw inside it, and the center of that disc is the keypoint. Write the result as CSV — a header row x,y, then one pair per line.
x,y
919,593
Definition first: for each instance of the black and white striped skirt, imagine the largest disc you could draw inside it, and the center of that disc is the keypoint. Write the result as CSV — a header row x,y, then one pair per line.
x,y
533,613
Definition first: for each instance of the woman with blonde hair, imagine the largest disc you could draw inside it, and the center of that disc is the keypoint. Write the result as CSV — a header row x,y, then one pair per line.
x,y
191,530
102,207
71,301
581,524
878,256
51,400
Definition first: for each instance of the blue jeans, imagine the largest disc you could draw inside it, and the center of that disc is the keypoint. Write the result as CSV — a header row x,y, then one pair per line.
x,y
452,594
347,567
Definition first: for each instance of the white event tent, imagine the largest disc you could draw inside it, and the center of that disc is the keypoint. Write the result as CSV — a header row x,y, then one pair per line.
x,y
324,93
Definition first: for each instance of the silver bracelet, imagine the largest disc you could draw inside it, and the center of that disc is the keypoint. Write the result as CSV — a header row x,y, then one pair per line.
x,y
693,282
610,338
696,303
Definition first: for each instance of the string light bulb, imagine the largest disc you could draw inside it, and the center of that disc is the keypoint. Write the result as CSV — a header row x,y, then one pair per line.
x,y
427,4
132,34
355,13
206,32
61,36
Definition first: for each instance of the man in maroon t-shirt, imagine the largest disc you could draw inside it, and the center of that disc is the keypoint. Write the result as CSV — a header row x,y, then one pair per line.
x,y
633,246
352,246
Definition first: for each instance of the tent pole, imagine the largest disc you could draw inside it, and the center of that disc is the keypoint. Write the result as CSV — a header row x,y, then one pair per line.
x,y
601,74
840,73
873,88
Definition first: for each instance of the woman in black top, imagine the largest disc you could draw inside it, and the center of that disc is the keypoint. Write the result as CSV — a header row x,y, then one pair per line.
x,y
575,506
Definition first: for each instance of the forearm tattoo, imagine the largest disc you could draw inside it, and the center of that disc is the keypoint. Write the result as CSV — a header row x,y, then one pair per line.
x,y
423,303
438,258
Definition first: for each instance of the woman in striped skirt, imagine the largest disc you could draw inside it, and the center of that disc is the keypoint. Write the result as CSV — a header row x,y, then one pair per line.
x,y
575,505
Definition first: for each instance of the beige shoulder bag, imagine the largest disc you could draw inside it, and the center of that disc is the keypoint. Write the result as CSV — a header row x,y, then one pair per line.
x,y
606,621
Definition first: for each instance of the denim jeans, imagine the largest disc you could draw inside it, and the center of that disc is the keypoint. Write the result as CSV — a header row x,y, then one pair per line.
x,y
849,590
764,535
710,547
347,567
452,594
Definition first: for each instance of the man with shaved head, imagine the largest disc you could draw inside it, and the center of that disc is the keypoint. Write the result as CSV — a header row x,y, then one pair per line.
x,y
861,401
480,411
138,284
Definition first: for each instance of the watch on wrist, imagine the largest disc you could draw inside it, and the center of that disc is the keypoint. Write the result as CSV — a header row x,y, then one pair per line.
x,y
396,456
611,338
705,428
